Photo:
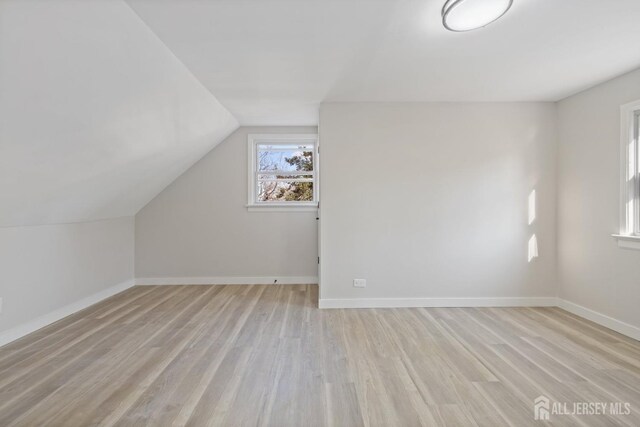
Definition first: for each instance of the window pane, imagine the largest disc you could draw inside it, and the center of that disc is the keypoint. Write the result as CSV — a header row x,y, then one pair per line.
x,y
290,191
636,177
292,159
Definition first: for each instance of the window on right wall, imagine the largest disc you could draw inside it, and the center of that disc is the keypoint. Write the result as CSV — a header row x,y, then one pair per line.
x,y
629,236
635,176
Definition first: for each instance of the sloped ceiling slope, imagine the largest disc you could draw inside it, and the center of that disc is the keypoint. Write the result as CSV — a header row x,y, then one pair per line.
x,y
97,116
282,58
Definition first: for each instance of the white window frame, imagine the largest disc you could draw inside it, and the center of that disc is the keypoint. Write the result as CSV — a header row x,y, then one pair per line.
x,y
629,235
254,140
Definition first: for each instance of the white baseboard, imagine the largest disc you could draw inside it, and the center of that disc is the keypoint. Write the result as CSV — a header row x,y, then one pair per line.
x,y
594,316
438,302
258,280
600,319
47,319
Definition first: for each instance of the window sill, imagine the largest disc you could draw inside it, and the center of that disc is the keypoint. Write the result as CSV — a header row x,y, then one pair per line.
x,y
282,208
627,241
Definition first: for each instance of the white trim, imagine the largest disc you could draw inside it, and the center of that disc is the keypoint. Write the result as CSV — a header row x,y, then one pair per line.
x,y
600,319
438,302
52,317
626,241
594,316
628,167
609,322
230,280
280,208
284,138
253,139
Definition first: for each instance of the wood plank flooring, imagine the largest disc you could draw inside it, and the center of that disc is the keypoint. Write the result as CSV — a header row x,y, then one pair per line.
x,y
265,355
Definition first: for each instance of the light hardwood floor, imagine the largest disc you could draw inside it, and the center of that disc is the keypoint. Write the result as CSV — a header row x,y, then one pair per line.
x,y
265,355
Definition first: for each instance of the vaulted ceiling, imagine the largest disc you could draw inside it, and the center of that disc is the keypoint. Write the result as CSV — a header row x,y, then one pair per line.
x,y
274,61
104,103
97,115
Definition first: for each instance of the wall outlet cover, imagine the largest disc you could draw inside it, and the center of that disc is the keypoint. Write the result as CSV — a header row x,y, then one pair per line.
x,y
360,283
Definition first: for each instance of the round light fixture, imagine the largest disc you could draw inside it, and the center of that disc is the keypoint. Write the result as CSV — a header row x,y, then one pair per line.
x,y
465,15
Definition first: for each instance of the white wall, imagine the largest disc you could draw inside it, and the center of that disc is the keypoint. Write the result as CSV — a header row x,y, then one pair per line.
x,y
199,226
97,115
430,200
47,268
593,271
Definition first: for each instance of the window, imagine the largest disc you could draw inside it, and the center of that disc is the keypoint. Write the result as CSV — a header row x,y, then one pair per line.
x,y
283,171
634,178
629,236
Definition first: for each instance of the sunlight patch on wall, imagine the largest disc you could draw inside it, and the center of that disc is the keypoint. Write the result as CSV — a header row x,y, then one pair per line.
x,y
533,240
532,206
533,248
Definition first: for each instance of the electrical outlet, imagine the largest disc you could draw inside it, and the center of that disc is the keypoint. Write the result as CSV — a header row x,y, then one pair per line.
x,y
359,283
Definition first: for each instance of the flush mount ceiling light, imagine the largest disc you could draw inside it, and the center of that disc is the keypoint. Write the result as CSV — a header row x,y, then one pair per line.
x,y
465,15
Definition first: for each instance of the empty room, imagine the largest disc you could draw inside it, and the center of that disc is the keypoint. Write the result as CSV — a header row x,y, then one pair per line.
x,y
319,213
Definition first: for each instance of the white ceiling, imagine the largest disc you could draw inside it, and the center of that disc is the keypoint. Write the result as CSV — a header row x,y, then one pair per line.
x,y
273,61
97,116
